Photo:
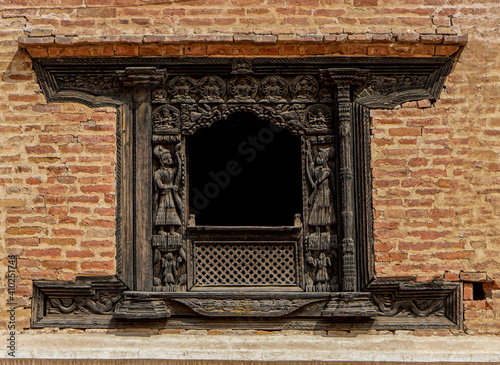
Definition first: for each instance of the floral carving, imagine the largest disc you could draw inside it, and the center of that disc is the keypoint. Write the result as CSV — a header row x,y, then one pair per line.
x,y
99,83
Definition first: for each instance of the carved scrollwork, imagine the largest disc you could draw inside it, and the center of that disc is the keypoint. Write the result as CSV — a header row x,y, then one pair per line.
x,y
105,304
388,306
385,85
166,119
274,89
194,117
182,89
304,89
243,89
212,89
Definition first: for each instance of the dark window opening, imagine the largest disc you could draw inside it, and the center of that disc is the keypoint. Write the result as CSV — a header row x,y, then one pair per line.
x,y
478,291
244,172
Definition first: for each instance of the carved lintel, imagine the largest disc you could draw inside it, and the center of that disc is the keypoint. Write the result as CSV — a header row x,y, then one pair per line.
x,y
142,76
143,309
355,304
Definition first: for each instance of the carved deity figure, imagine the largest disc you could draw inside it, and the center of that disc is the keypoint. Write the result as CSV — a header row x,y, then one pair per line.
x,y
243,89
273,89
165,119
212,89
321,213
169,265
322,278
304,88
182,89
318,119
167,179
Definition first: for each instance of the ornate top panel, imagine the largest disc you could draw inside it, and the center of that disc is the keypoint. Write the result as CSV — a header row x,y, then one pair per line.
x,y
100,81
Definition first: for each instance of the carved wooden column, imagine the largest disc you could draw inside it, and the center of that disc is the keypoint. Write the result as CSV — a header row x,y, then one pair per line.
x,y
142,80
343,80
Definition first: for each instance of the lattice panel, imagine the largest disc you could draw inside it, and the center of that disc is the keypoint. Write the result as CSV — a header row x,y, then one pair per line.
x,y
245,263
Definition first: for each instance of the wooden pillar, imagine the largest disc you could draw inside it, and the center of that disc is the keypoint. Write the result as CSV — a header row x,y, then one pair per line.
x,y
142,80
343,80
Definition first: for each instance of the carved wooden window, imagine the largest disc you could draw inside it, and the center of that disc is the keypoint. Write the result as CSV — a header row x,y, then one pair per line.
x,y
244,192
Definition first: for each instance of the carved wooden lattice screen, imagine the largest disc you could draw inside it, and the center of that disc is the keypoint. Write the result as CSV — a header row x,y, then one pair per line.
x,y
316,272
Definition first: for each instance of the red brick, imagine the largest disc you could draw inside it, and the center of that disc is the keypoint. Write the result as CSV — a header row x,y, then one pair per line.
x,y
21,231
29,241
97,265
59,265
79,254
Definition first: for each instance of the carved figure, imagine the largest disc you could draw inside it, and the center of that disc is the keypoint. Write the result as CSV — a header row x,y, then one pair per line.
x,y
273,89
243,89
159,96
212,89
322,278
169,265
166,119
182,89
321,213
318,117
167,179
242,66
304,89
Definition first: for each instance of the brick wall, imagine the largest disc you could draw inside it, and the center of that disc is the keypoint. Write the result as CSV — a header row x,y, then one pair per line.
x,y
435,167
